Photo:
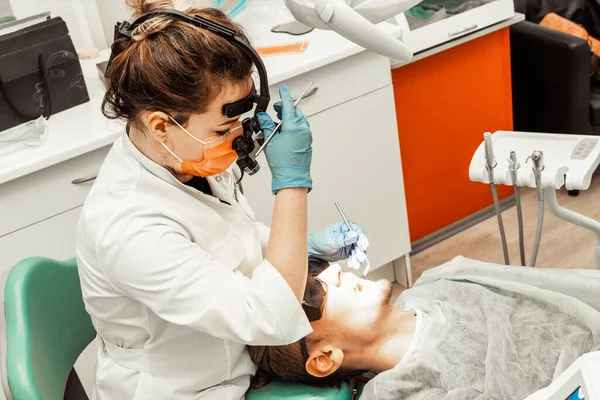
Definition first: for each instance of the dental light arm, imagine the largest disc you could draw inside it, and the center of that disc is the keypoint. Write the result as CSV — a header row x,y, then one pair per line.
x,y
354,20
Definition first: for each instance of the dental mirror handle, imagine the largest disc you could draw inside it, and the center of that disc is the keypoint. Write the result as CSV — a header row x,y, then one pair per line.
x,y
267,140
343,216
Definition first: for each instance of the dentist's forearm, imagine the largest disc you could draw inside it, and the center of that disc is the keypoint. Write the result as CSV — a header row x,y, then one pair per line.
x,y
287,246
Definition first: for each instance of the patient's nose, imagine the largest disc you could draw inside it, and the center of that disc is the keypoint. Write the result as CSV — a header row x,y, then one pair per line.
x,y
349,280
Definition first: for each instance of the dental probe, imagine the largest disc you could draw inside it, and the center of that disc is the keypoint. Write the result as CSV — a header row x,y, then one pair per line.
x,y
513,166
267,140
490,165
352,230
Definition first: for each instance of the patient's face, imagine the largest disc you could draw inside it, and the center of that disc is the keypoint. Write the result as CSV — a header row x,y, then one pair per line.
x,y
353,305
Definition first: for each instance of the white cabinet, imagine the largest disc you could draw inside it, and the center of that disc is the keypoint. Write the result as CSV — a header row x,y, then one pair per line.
x,y
356,159
48,192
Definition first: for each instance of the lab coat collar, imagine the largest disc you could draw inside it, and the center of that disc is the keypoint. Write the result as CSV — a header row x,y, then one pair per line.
x,y
219,184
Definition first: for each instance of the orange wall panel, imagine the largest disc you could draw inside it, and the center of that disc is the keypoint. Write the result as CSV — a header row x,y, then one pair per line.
x,y
444,104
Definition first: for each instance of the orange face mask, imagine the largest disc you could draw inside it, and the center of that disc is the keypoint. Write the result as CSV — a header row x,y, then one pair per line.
x,y
218,153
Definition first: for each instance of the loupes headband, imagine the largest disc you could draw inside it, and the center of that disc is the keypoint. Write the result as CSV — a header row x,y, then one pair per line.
x,y
261,99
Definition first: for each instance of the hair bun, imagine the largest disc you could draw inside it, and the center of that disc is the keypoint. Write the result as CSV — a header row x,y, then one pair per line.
x,y
153,25
140,7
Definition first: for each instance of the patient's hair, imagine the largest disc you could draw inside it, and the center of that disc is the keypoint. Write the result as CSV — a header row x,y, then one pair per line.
x,y
285,363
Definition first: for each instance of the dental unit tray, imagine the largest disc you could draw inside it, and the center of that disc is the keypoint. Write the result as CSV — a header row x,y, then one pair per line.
x,y
557,160
569,160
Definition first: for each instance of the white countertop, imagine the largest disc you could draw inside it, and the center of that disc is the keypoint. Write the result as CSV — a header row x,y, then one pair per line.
x,y
83,129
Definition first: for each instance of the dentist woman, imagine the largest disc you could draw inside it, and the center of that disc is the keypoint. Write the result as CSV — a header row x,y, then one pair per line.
x,y
177,275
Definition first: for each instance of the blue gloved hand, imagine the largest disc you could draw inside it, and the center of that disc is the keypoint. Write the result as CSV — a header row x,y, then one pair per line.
x,y
289,153
337,242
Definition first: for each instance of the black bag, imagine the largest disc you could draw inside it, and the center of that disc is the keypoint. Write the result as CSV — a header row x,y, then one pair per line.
x,y
40,73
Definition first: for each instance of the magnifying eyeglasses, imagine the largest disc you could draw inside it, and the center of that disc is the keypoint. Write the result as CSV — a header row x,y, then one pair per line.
x,y
314,298
315,294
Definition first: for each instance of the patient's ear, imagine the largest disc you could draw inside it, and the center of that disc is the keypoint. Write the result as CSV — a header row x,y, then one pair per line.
x,y
324,361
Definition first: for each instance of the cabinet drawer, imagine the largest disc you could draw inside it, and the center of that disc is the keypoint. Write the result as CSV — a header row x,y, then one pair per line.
x,y
338,82
53,238
48,192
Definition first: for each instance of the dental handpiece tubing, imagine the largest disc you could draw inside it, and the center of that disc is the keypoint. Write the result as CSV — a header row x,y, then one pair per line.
x,y
538,165
500,223
490,164
267,140
538,234
520,221
514,166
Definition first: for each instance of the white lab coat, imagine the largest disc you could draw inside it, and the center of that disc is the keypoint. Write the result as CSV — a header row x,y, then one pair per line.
x,y
176,284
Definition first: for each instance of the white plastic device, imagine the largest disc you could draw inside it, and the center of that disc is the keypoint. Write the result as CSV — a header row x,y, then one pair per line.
x,y
569,160
422,38
355,20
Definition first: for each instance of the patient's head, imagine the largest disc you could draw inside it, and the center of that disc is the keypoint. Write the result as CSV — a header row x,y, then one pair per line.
x,y
348,328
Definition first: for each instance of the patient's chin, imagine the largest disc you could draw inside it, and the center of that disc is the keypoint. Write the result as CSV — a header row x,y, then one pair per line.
x,y
386,291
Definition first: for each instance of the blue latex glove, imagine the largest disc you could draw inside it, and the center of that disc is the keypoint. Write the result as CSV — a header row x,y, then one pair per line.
x,y
289,153
337,242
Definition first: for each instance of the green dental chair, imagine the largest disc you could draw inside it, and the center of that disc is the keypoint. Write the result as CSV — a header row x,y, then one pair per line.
x,y
44,327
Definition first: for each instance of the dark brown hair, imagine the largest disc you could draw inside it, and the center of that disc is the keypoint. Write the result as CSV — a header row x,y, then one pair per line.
x,y
172,66
285,363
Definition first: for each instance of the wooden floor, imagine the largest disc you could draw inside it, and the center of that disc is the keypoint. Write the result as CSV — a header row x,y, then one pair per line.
x,y
563,245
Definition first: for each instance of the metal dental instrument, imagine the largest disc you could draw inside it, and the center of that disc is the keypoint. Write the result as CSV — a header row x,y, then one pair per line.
x,y
267,140
490,164
352,230
538,166
513,166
